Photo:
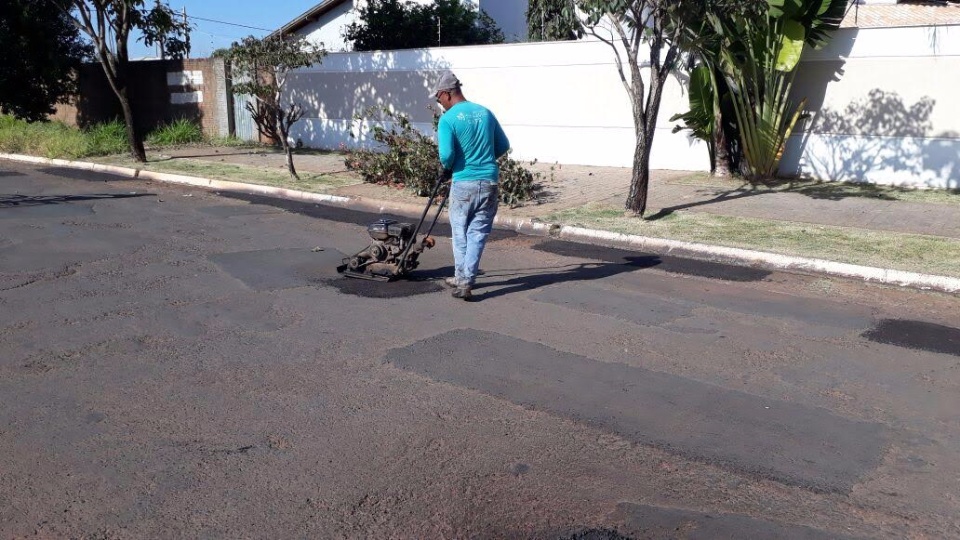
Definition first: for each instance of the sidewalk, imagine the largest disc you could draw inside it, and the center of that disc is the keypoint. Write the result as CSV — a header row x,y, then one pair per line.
x,y
576,185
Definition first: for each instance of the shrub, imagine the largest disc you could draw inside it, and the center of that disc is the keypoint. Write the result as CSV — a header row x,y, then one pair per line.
x,y
57,140
517,182
230,140
108,138
178,132
405,157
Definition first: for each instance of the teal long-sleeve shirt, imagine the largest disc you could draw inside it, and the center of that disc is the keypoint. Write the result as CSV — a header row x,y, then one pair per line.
x,y
470,140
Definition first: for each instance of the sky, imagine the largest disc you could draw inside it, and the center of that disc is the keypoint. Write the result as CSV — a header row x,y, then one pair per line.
x,y
207,36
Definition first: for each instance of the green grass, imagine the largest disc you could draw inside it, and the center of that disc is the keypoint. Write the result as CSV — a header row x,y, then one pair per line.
x,y
176,133
910,252
106,139
317,183
826,190
57,140
231,142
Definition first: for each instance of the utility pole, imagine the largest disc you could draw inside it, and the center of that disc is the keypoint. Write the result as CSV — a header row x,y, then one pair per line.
x,y
161,52
185,25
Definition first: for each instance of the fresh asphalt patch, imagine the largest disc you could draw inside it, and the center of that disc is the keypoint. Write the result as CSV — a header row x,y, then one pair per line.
x,y
82,174
790,443
379,289
822,319
234,210
343,215
4,174
642,521
595,534
675,265
509,283
920,335
62,251
15,210
639,309
275,269
56,205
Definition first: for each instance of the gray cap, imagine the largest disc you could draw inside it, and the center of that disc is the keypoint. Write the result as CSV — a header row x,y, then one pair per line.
x,y
448,81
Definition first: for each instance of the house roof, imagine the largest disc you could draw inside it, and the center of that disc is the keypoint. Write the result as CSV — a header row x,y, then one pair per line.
x,y
902,14
307,17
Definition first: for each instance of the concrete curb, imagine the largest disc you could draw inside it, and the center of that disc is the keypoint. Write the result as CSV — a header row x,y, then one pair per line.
x,y
533,227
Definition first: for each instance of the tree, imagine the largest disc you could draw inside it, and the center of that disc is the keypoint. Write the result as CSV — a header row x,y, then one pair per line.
x,y
761,77
711,114
391,24
552,20
108,23
40,54
260,69
625,25
749,52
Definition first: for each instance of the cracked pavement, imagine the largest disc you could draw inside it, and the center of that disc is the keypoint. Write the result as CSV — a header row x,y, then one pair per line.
x,y
178,363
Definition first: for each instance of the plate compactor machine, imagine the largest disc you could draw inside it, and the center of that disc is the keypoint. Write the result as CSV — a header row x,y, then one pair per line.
x,y
396,246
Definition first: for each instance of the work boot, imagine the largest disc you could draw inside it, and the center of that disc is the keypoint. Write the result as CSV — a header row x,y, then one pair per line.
x,y
463,293
452,282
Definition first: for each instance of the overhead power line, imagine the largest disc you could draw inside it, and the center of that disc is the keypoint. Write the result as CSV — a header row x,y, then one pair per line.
x,y
230,23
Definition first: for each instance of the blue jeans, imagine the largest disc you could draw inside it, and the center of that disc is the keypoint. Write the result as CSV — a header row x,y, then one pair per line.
x,y
473,206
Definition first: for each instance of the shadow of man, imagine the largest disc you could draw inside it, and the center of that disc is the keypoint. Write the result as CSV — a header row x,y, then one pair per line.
x,y
560,274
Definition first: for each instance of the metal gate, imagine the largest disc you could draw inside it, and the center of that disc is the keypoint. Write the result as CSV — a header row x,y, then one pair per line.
x,y
243,125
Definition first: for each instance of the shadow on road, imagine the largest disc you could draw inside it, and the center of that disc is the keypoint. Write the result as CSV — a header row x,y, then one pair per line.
x,y
19,201
562,274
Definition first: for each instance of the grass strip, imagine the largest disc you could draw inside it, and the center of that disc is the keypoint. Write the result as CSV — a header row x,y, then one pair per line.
x,y
910,252
316,183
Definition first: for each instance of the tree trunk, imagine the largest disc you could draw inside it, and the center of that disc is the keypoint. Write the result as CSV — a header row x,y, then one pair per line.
x,y
640,179
721,166
645,127
289,151
284,130
133,134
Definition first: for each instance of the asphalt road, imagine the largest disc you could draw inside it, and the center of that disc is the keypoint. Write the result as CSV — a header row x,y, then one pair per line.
x,y
176,363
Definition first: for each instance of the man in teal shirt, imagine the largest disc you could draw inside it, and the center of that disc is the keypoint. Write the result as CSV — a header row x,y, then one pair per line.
x,y
470,140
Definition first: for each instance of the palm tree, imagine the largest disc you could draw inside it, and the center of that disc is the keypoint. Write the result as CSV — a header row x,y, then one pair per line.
x,y
746,54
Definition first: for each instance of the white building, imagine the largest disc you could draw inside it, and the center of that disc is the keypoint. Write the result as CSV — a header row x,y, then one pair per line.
x,y
325,22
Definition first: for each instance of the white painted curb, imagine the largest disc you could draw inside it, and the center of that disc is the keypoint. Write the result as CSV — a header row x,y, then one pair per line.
x,y
764,259
538,228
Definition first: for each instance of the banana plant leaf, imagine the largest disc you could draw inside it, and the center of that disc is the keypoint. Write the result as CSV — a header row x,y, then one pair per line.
x,y
765,119
793,35
700,118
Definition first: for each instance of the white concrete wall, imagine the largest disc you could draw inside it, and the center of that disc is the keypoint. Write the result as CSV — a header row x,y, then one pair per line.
x,y
558,102
882,100
884,108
